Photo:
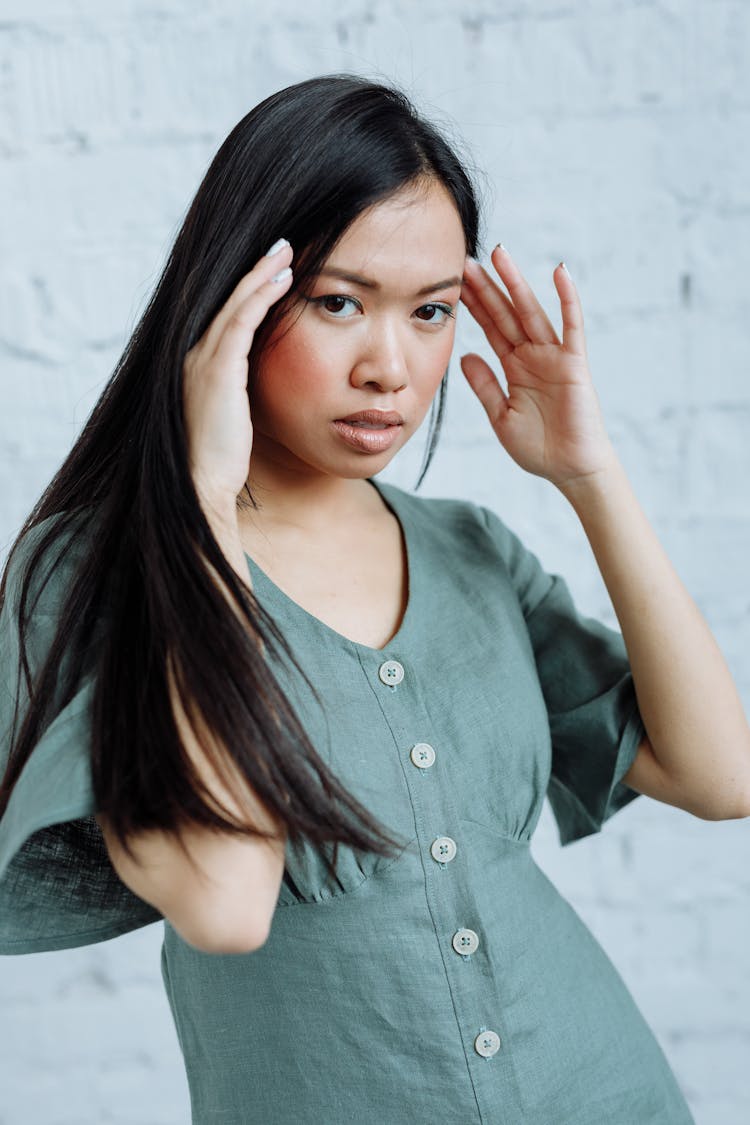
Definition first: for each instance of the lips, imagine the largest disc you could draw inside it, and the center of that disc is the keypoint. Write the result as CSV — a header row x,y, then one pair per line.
x,y
373,419
369,431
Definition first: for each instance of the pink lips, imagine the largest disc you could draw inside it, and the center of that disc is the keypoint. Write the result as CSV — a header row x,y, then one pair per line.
x,y
378,431
376,417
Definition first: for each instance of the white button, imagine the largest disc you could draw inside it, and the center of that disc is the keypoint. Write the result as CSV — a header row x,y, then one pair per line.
x,y
391,672
465,941
422,755
443,849
487,1044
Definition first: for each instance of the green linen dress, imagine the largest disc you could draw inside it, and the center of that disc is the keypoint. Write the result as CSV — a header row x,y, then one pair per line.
x,y
453,983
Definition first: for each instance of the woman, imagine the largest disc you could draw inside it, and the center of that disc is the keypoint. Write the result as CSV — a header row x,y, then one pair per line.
x,y
244,649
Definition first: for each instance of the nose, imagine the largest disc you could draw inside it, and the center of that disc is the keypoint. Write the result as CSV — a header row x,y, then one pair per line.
x,y
382,362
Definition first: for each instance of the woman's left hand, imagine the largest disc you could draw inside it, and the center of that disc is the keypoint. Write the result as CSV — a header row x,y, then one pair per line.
x,y
549,420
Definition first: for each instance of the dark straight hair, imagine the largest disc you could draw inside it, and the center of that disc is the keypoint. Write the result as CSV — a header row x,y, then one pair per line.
x,y
140,598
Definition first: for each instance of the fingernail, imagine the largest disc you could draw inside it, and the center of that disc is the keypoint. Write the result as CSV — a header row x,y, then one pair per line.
x,y
566,270
282,274
282,242
501,247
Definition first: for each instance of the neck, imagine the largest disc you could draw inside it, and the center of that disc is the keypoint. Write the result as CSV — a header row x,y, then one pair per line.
x,y
300,497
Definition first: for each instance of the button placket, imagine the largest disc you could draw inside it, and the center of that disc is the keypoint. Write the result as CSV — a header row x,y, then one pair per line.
x,y
443,850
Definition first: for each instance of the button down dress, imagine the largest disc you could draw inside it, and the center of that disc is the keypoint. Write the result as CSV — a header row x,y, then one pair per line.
x,y
452,983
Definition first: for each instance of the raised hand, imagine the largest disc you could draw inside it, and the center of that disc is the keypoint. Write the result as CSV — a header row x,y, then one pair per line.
x,y
215,373
549,419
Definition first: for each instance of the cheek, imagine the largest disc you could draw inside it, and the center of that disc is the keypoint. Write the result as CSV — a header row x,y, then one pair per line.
x,y
293,373
447,347
440,358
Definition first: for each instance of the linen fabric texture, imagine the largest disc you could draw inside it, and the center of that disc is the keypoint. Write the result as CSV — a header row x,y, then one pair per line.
x,y
362,1003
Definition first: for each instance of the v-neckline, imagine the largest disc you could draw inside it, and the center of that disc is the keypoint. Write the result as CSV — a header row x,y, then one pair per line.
x,y
260,577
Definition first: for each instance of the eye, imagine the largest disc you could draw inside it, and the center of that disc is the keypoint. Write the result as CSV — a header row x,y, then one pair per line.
x,y
447,311
325,300
321,301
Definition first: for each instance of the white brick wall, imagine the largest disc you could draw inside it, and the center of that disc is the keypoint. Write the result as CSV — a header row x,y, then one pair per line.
x,y
614,135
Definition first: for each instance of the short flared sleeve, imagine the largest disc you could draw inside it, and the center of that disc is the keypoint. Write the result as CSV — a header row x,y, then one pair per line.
x,y
585,677
58,888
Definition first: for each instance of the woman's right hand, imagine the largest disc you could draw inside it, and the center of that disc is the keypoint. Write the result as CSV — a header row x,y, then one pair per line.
x,y
215,373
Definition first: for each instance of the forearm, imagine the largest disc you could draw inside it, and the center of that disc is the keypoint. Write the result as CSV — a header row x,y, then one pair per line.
x,y
690,707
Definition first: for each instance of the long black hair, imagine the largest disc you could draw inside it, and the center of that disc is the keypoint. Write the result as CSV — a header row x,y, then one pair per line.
x,y
140,598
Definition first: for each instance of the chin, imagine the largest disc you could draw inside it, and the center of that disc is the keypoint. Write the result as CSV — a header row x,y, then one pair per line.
x,y
359,469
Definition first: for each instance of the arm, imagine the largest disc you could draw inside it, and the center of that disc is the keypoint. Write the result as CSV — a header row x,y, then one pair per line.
x,y
229,907
233,911
697,754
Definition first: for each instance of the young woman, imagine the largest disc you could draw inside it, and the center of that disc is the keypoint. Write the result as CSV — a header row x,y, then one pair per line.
x,y
308,718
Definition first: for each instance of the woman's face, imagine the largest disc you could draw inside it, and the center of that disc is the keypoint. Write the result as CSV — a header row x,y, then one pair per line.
x,y
379,341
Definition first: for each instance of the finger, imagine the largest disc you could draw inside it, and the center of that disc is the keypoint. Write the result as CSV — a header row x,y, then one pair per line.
x,y
485,385
574,339
263,270
496,337
532,316
492,301
237,336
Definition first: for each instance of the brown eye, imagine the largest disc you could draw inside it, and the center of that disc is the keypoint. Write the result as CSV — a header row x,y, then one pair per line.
x,y
324,301
447,311
334,299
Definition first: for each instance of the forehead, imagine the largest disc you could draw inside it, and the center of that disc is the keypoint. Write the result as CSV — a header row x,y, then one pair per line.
x,y
413,236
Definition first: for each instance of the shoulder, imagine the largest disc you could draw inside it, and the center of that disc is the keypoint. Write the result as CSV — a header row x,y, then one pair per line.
x,y
51,550
434,511
454,520
470,537
42,565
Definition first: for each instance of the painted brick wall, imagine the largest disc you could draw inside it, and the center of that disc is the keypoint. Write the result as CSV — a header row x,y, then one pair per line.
x,y
612,133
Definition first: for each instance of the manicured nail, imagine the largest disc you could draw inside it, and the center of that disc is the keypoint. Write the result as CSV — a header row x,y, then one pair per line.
x,y
282,242
566,269
282,274
501,247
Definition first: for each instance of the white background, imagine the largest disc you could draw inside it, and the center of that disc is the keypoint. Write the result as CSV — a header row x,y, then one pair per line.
x,y
611,134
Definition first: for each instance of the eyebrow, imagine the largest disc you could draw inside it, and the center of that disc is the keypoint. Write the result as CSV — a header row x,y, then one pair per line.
x,y
368,283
